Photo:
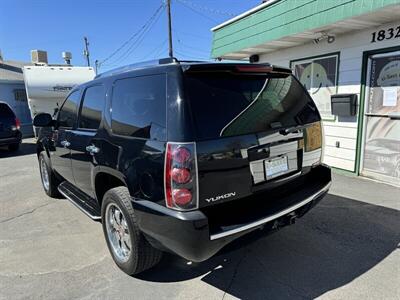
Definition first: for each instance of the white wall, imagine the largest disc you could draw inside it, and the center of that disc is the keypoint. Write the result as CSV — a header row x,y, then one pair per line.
x,y
351,47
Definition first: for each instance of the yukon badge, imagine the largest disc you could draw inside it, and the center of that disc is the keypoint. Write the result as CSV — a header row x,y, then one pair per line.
x,y
220,197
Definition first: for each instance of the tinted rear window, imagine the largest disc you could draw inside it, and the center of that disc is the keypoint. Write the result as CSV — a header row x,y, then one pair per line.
x,y
226,104
138,107
5,111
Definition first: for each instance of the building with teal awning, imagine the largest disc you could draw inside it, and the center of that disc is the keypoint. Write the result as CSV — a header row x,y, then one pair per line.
x,y
347,48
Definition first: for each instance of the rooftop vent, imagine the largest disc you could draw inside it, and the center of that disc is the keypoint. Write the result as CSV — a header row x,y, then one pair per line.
x,y
39,57
67,56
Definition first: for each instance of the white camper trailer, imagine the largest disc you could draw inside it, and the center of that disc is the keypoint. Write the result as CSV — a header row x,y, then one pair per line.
x,y
47,86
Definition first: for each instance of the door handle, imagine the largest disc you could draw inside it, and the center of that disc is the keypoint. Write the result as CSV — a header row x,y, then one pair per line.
x,y
65,144
92,149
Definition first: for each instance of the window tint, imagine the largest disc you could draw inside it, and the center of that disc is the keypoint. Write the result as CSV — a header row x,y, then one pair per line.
x,y
92,106
67,114
227,105
138,107
5,111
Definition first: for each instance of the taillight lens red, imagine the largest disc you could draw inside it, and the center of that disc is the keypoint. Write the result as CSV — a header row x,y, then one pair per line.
x,y
181,155
17,123
181,176
182,197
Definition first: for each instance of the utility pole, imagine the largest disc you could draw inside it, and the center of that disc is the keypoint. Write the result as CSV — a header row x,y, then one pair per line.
x,y
86,51
170,51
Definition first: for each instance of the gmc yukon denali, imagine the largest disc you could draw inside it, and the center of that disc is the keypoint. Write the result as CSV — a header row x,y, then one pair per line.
x,y
184,157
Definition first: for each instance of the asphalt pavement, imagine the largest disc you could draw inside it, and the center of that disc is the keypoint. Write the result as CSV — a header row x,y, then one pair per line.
x,y
347,247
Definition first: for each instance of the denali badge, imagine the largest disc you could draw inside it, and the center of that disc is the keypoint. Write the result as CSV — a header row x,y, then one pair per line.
x,y
213,199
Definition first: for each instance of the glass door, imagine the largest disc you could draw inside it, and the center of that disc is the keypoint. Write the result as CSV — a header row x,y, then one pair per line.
x,y
381,147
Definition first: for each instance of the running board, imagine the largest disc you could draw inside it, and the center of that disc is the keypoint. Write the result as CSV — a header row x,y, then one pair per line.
x,y
82,201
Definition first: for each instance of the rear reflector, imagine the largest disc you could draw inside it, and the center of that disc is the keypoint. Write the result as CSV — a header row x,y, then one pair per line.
x,y
180,176
17,123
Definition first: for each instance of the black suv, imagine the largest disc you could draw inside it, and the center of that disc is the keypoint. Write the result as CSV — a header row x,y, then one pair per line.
x,y
10,134
185,157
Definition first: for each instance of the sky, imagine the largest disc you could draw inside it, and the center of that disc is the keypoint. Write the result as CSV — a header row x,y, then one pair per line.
x,y
120,32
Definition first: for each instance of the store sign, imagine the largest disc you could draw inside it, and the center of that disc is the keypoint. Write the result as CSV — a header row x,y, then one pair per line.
x,y
319,77
385,34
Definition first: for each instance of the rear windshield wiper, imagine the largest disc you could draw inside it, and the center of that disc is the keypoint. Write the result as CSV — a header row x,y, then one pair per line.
x,y
286,131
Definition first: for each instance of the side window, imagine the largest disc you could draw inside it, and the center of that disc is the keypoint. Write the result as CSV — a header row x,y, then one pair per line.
x,y
91,108
67,113
139,107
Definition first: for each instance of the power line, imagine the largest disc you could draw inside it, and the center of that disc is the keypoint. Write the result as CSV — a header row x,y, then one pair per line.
x,y
190,55
191,47
207,9
191,34
133,35
137,42
155,50
198,12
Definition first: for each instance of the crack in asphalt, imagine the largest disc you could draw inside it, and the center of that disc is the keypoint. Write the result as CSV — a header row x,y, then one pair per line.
x,y
25,213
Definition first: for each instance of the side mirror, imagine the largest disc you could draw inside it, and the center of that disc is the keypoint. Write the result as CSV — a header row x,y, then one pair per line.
x,y
43,120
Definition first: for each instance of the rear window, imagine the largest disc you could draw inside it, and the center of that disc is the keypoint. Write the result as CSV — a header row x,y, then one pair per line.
x,y
138,107
5,111
226,104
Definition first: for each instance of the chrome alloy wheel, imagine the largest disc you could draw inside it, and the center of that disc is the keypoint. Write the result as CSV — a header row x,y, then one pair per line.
x,y
118,233
44,174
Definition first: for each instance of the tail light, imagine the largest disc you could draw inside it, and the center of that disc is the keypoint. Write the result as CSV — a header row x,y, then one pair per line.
x,y
180,176
17,123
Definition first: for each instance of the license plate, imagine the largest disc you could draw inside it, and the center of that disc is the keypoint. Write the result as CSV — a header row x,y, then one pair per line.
x,y
276,167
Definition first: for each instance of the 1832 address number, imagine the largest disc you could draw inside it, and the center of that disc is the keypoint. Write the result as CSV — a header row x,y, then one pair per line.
x,y
385,34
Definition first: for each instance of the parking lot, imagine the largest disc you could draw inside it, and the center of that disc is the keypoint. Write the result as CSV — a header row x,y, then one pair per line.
x,y
345,248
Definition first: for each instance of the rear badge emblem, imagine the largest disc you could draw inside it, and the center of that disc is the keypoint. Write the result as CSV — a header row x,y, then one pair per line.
x,y
220,197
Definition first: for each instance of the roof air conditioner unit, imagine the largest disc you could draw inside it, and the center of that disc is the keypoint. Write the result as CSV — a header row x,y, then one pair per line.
x,y
39,57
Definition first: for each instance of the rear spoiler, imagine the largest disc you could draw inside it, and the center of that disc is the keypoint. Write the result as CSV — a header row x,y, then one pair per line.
x,y
236,68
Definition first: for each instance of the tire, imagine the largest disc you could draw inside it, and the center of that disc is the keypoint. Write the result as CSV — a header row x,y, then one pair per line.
x,y
50,185
13,147
132,256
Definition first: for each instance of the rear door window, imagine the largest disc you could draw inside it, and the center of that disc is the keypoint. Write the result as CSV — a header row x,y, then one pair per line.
x,y
5,111
139,107
68,112
92,107
226,104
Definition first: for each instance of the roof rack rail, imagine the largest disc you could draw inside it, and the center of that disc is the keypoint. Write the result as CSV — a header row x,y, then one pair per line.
x,y
149,63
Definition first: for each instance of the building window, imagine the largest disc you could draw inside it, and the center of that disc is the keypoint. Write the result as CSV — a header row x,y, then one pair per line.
x,y
20,95
319,76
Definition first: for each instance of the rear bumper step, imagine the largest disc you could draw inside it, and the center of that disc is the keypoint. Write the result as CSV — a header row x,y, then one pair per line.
x,y
273,217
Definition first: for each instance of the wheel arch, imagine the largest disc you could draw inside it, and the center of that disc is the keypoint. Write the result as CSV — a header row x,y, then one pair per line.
x,y
104,181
